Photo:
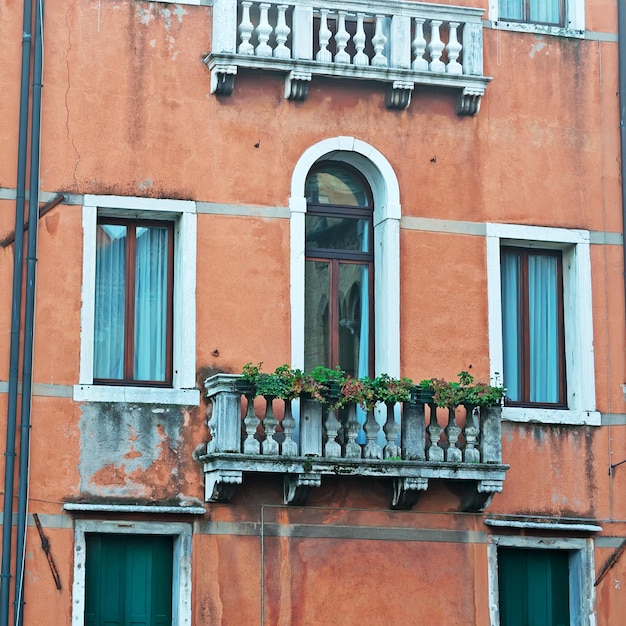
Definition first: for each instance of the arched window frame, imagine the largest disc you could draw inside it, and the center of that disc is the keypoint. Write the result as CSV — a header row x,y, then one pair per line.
x,y
387,212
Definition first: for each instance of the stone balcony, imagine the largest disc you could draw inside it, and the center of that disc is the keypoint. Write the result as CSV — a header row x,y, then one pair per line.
x,y
395,42
411,444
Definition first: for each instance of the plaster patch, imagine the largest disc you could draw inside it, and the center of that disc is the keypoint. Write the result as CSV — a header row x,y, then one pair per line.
x,y
145,184
179,12
153,43
145,15
167,14
537,47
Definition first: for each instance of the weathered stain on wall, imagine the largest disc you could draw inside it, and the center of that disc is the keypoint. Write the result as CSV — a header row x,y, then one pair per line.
x,y
131,451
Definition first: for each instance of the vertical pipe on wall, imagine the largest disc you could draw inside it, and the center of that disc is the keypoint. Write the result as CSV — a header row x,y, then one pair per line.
x,y
621,35
9,454
29,313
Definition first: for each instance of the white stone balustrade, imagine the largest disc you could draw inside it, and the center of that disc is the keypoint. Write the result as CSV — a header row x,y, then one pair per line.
x,y
397,42
411,443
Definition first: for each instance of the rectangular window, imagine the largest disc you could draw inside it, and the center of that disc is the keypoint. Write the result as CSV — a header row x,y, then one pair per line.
x,y
133,302
128,580
532,327
548,12
533,587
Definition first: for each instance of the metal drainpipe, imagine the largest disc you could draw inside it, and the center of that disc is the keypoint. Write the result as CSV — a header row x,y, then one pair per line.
x,y
9,461
29,315
621,36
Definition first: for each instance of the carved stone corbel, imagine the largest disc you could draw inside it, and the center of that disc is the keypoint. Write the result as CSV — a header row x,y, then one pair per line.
x,y
399,94
469,101
298,487
220,484
297,85
223,79
406,491
477,495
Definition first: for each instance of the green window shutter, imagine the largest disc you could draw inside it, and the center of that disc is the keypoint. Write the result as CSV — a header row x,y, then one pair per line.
x,y
534,587
128,580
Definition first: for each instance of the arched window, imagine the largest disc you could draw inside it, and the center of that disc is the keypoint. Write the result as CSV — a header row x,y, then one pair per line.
x,y
339,270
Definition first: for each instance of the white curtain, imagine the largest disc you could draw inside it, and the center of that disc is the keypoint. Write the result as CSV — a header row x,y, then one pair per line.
x,y
543,11
543,326
150,304
109,302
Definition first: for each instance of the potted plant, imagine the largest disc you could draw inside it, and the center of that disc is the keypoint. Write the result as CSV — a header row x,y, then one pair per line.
x,y
391,390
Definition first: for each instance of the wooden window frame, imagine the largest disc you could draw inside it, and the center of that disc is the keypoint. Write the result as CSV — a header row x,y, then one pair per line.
x,y
524,338
335,257
526,15
129,303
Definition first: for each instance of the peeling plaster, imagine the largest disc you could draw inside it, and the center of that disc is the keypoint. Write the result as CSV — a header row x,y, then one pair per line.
x,y
537,47
131,451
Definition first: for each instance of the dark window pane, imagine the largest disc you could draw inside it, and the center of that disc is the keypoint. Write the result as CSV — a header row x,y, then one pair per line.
x,y
317,315
335,185
354,319
337,233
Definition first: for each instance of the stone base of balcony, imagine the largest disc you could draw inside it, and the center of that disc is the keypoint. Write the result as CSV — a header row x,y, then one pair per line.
x,y
299,73
476,482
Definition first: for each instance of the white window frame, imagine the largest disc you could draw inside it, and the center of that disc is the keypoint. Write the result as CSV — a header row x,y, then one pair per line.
x,y
574,21
577,314
387,212
181,574
581,573
183,214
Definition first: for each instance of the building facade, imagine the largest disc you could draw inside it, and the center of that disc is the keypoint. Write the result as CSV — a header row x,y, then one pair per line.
x,y
396,187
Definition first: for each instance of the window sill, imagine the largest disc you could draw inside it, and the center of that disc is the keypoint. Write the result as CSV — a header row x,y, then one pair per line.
x,y
136,395
537,29
551,416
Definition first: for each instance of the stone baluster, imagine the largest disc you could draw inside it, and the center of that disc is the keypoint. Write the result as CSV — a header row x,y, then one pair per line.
x,y
391,428
473,49
491,434
371,428
332,448
454,50
471,453
290,447
251,444
435,451
341,39
413,435
379,40
269,445
453,453
282,33
245,29
263,32
360,58
435,48
324,55
419,47
351,429
225,414
310,427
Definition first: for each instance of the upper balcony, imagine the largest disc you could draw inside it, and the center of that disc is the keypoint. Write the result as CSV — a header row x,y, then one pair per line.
x,y
411,443
401,44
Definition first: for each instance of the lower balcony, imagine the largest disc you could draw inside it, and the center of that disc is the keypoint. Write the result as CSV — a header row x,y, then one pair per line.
x,y
411,443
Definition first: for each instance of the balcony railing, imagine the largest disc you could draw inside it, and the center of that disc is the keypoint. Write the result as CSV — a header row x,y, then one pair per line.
x,y
400,43
409,443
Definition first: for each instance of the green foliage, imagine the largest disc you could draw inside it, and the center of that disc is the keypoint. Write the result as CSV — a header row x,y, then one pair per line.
x,y
333,387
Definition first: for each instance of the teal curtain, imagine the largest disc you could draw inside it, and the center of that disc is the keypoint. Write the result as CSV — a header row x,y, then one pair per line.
x,y
541,11
511,328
